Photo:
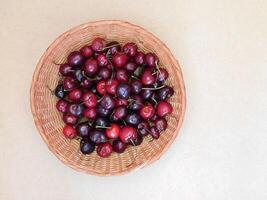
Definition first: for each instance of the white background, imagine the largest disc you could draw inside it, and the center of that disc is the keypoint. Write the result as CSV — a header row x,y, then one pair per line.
x,y
221,152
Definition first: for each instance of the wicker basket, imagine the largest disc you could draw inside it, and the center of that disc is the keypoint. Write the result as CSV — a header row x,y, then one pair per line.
x,y
49,121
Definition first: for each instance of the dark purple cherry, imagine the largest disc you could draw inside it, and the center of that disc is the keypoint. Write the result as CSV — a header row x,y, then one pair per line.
x,y
133,119
75,109
107,102
86,146
162,76
139,58
154,132
97,136
119,113
114,47
130,67
119,146
78,74
122,76
161,124
151,60
136,86
62,105
123,91
83,129
146,94
137,141
65,69
101,121
59,91
143,128
75,59
164,93
136,103
103,112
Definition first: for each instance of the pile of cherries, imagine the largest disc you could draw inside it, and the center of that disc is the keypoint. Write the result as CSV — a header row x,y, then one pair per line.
x,y
112,96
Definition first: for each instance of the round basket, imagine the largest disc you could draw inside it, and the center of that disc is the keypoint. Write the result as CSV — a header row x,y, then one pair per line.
x,y
49,121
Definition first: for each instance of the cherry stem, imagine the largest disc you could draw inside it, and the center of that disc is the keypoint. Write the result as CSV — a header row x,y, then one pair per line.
x,y
154,88
100,99
104,127
157,66
107,47
134,77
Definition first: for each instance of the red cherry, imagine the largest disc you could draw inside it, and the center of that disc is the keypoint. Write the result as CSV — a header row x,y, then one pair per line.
x,y
121,102
65,70
98,44
69,132
75,59
151,59
69,83
86,84
130,49
101,87
104,150
75,95
111,86
120,59
147,111
70,119
122,76
164,108
90,67
139,58
162,75
127,134
102,60
147,78
87,51
89,99
113,132
62,106
90,113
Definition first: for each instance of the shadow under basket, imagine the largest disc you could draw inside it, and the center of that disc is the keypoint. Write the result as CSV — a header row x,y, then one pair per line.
x,y
49,121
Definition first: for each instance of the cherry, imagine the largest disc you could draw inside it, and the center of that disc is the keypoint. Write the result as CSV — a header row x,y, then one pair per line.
x,y
107,102
130,67
143,128
69,132
62,106
75,95
147,78
164,108
113,132
86,146
75,59
70,119
164,93
59,91
123,91
103,112
119,146
86,84
137,141
97,136
104,73
161,124
98,44
87,51
136,86
102,60
139,58
89,99
130,49
151,59
133,119
101,121
83,129
114,47
101,87
147,111
127,134
122,76
75,109
162,76
65,69
154,132
154,118
90,113
121,102
147,94
69,83
104,150
119,113
120,59
111,86
136,103
90,67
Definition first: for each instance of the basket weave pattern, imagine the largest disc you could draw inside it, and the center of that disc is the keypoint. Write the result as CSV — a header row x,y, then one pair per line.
x,y
49,121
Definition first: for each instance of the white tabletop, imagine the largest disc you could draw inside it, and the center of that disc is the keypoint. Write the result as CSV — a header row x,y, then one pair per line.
x,y
221,152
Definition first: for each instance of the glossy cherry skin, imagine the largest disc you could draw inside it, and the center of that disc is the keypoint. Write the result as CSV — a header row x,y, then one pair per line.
x,y
161,124
104,73
104,150
111,86
59,91
113,132
75,59
121,102
90,67
75,95
164,93
107,102
65,69
151,60
62,106
86,84
136,86
98,44
103,112
143,128
90,113
119,146
75,109
83,129
127,134
133,119
137,141
164,108
86,146
147,112
162,76
69,132
87,51
101,87
136,104
119,113
154,118
122,76
69,83
89,99
147,94
114,47
97,136
139,58
120,59
102,60
130,49
147,78
130,67
70,119
154,132
124,91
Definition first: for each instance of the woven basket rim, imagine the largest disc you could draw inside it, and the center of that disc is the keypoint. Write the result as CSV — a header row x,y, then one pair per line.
x,y
106,22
